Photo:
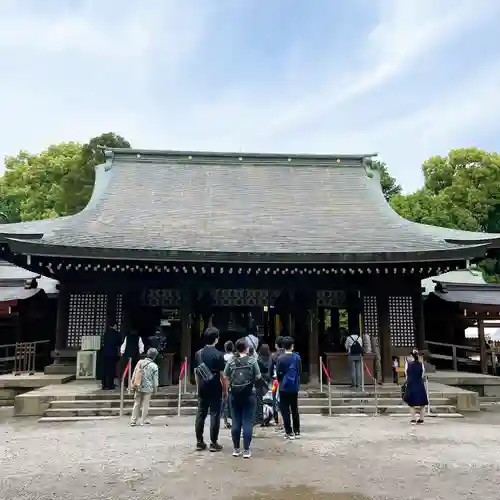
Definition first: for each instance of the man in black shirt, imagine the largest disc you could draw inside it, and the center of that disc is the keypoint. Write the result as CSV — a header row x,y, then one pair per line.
x,y
209,366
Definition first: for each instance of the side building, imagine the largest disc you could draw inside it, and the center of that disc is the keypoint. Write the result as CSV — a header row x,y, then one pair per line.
x,y
288,243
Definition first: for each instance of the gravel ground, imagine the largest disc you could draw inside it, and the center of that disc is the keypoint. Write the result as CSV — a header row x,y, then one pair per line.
x,y
336,459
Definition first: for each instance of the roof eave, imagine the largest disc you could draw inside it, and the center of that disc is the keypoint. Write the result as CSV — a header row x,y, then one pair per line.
x,y
36,248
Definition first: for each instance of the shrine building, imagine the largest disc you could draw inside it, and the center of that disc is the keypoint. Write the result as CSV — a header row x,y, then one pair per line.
x,y
299,244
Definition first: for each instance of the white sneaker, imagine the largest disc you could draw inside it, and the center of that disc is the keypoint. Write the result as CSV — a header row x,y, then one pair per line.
x,y
236,452
290,437
247,454
132,424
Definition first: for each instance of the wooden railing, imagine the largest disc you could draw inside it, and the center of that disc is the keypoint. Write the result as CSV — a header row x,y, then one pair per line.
x,y
22,357
454,348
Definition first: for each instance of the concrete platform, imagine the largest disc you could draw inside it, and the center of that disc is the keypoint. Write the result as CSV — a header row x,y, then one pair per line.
x,y
35,402
483,385
25,381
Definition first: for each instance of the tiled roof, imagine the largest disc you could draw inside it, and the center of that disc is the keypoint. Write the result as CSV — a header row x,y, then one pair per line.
x,y
487,294
237,207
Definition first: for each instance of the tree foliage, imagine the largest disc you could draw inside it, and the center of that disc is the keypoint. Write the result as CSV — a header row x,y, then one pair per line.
x,y
461,191
55,182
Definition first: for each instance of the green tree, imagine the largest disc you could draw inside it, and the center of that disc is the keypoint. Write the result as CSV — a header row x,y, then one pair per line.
x,y
390,187
56,182
461,191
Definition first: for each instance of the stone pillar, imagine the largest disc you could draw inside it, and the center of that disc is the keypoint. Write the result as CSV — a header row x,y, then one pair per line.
x,y
313,346
384,337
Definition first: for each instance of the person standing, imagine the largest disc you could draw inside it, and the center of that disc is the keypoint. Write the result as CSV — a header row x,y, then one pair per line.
x,y
355,355
110,355
211,388
132,348
415,393
264,362
241,373
288,371
272,375
145,384
226,409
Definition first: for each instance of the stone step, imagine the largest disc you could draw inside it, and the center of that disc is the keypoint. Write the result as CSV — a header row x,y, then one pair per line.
x,y
303,402
109,395
72,419
337,415
191,410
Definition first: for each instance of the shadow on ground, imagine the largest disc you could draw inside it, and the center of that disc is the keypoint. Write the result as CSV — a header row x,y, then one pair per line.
x,y
296,492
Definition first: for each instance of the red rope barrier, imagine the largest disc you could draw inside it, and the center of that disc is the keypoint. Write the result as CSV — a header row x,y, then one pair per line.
x,y
127,368
183,369
326,372
369,373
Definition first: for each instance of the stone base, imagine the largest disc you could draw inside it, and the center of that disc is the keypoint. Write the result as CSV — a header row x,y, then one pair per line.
x,y
60,369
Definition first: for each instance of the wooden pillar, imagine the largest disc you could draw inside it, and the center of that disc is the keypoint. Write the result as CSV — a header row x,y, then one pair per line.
x,y
482,346
353,321
384,337
186,335
418,318
111,308
313,345
62,319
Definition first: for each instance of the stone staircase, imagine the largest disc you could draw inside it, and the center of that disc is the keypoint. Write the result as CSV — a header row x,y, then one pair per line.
x,y
105,405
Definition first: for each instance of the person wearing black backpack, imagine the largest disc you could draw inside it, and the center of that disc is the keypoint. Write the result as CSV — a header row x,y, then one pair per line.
x,y
242,373
355,354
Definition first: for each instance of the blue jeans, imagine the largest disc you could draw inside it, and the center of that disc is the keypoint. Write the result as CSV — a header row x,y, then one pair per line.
x,y
226,409
356,367
242,414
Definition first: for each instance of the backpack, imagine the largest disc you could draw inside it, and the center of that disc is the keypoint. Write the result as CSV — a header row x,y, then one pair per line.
x,y
291,382
242,377
356,348
138,375
202,371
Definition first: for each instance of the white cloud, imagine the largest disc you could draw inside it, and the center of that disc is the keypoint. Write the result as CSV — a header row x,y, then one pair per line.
x,y
122,66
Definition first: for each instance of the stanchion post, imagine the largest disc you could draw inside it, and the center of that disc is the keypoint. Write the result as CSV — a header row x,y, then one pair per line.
x,y
185,375
129,376
179,399
321,374
329,398
122,395
376,394
362,375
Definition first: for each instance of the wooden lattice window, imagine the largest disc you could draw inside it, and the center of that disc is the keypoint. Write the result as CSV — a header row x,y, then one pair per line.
x,y
87,316
401,322
241,297
330,298
162,297
370,316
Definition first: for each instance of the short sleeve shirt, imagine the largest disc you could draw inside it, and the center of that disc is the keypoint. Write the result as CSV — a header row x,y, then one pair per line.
x,y
214,360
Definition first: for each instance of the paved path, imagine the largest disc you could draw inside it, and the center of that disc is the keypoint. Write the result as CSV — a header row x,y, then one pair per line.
x,y
336,459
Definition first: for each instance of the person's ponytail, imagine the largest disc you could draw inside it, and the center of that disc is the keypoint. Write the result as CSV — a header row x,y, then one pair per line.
x,y
415,356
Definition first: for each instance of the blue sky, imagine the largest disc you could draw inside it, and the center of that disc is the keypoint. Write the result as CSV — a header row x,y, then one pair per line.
x,y
404,78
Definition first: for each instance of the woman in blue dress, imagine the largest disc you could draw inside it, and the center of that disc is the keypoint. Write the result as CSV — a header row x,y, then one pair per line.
x,y
415,394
